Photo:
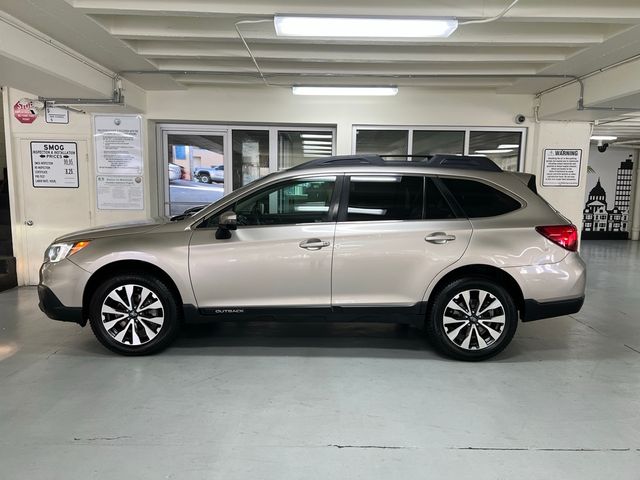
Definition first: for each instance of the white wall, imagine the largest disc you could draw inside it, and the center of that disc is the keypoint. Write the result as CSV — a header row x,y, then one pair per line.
x,y
278,105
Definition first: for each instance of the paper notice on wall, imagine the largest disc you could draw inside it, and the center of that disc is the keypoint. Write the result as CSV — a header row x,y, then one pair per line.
x,y
120,192
54,164
561,167
118,144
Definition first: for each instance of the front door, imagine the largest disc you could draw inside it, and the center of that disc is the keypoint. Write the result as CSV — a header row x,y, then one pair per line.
x,y
55,192
394,235
280,254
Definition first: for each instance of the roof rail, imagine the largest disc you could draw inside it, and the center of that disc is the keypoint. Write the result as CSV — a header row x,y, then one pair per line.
x,y
438,160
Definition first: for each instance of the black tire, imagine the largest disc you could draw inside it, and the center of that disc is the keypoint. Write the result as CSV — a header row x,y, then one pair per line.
x,y
167,332
437,331
205,178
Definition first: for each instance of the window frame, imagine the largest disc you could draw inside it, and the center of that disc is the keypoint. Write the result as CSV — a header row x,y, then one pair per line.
x,y
467,129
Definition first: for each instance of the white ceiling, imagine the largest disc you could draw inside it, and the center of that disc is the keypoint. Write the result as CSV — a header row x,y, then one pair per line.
x,y
198,36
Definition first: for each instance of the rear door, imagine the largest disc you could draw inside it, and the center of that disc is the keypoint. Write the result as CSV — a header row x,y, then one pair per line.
x,y
394,235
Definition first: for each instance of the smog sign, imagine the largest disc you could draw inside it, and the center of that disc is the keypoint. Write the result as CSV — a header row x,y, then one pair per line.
x,y
54,164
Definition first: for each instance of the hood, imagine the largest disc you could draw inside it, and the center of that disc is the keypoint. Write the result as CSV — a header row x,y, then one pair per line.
x,y
113,230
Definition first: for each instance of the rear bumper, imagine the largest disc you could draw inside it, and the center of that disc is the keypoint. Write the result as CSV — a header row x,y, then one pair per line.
x,y
54,309
534,310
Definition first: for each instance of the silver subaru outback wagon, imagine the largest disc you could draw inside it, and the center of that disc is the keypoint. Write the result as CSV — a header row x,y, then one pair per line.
x,y
449,243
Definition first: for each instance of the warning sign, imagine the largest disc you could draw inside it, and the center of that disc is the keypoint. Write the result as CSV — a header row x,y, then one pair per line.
x,y
561,167
25,112
54,164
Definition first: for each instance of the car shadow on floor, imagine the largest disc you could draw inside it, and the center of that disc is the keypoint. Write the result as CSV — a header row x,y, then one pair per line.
x,y
268,338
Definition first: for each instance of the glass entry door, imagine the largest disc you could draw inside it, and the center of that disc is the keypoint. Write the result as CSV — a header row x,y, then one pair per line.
x,y
194,169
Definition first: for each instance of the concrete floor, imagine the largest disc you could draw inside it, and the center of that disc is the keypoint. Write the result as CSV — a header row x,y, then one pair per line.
x,y
286,401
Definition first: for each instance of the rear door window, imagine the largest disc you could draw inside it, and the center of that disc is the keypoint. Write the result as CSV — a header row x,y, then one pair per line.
x,y
385,197
478,199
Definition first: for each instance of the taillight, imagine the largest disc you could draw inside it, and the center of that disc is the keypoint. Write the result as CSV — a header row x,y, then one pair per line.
x,y
564,235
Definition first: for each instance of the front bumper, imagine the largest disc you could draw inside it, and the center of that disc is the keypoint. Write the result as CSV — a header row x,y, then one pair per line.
x,y
534,310
54,309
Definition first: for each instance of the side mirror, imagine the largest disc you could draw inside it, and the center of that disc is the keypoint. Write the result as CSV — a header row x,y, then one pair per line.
x,y
228,221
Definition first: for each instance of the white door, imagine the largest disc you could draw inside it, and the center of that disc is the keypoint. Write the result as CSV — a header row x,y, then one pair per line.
x,y
280,254
393,237
52,203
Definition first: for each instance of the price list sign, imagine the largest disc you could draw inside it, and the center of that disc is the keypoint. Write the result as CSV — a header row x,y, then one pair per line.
x,y
54,164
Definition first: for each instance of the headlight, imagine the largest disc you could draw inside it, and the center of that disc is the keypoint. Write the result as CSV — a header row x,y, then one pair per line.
x,y
60,251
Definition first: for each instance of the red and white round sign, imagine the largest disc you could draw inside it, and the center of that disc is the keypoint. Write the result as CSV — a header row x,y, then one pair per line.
x,y
24,112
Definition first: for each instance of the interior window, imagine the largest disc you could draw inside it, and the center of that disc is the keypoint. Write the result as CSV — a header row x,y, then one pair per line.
x,y
479,199
436,206
385,198
382,142
288,203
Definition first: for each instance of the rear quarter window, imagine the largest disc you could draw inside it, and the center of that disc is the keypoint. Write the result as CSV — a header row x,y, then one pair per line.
x,y
479,200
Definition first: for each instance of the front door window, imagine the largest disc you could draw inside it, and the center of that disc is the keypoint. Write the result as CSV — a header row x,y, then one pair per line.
x,y
288,203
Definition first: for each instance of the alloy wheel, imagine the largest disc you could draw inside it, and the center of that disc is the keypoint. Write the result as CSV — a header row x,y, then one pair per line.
x,y
474,319
132,314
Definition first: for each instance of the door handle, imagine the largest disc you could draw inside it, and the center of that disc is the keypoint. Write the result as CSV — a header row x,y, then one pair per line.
x,y
29,223
439,238
314,244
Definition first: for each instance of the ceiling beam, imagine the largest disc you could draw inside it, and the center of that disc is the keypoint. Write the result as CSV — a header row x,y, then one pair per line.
x,y
328,68
351,53
448,82
188,28
616,86
614,11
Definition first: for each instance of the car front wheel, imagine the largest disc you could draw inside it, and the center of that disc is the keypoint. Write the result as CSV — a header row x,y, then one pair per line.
x,y
204,178
472,319
133,314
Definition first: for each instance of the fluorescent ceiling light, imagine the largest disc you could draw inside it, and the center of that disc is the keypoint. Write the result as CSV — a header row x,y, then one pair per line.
x,y
346,91
509,145
494,151
316,155
604,138
371,27
316,135
316,142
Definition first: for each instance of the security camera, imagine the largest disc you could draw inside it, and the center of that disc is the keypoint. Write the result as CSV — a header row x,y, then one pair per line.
x,y
602,147
520,119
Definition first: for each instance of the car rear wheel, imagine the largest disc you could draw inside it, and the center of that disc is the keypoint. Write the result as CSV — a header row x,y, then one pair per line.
x,y
472,319
134,315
